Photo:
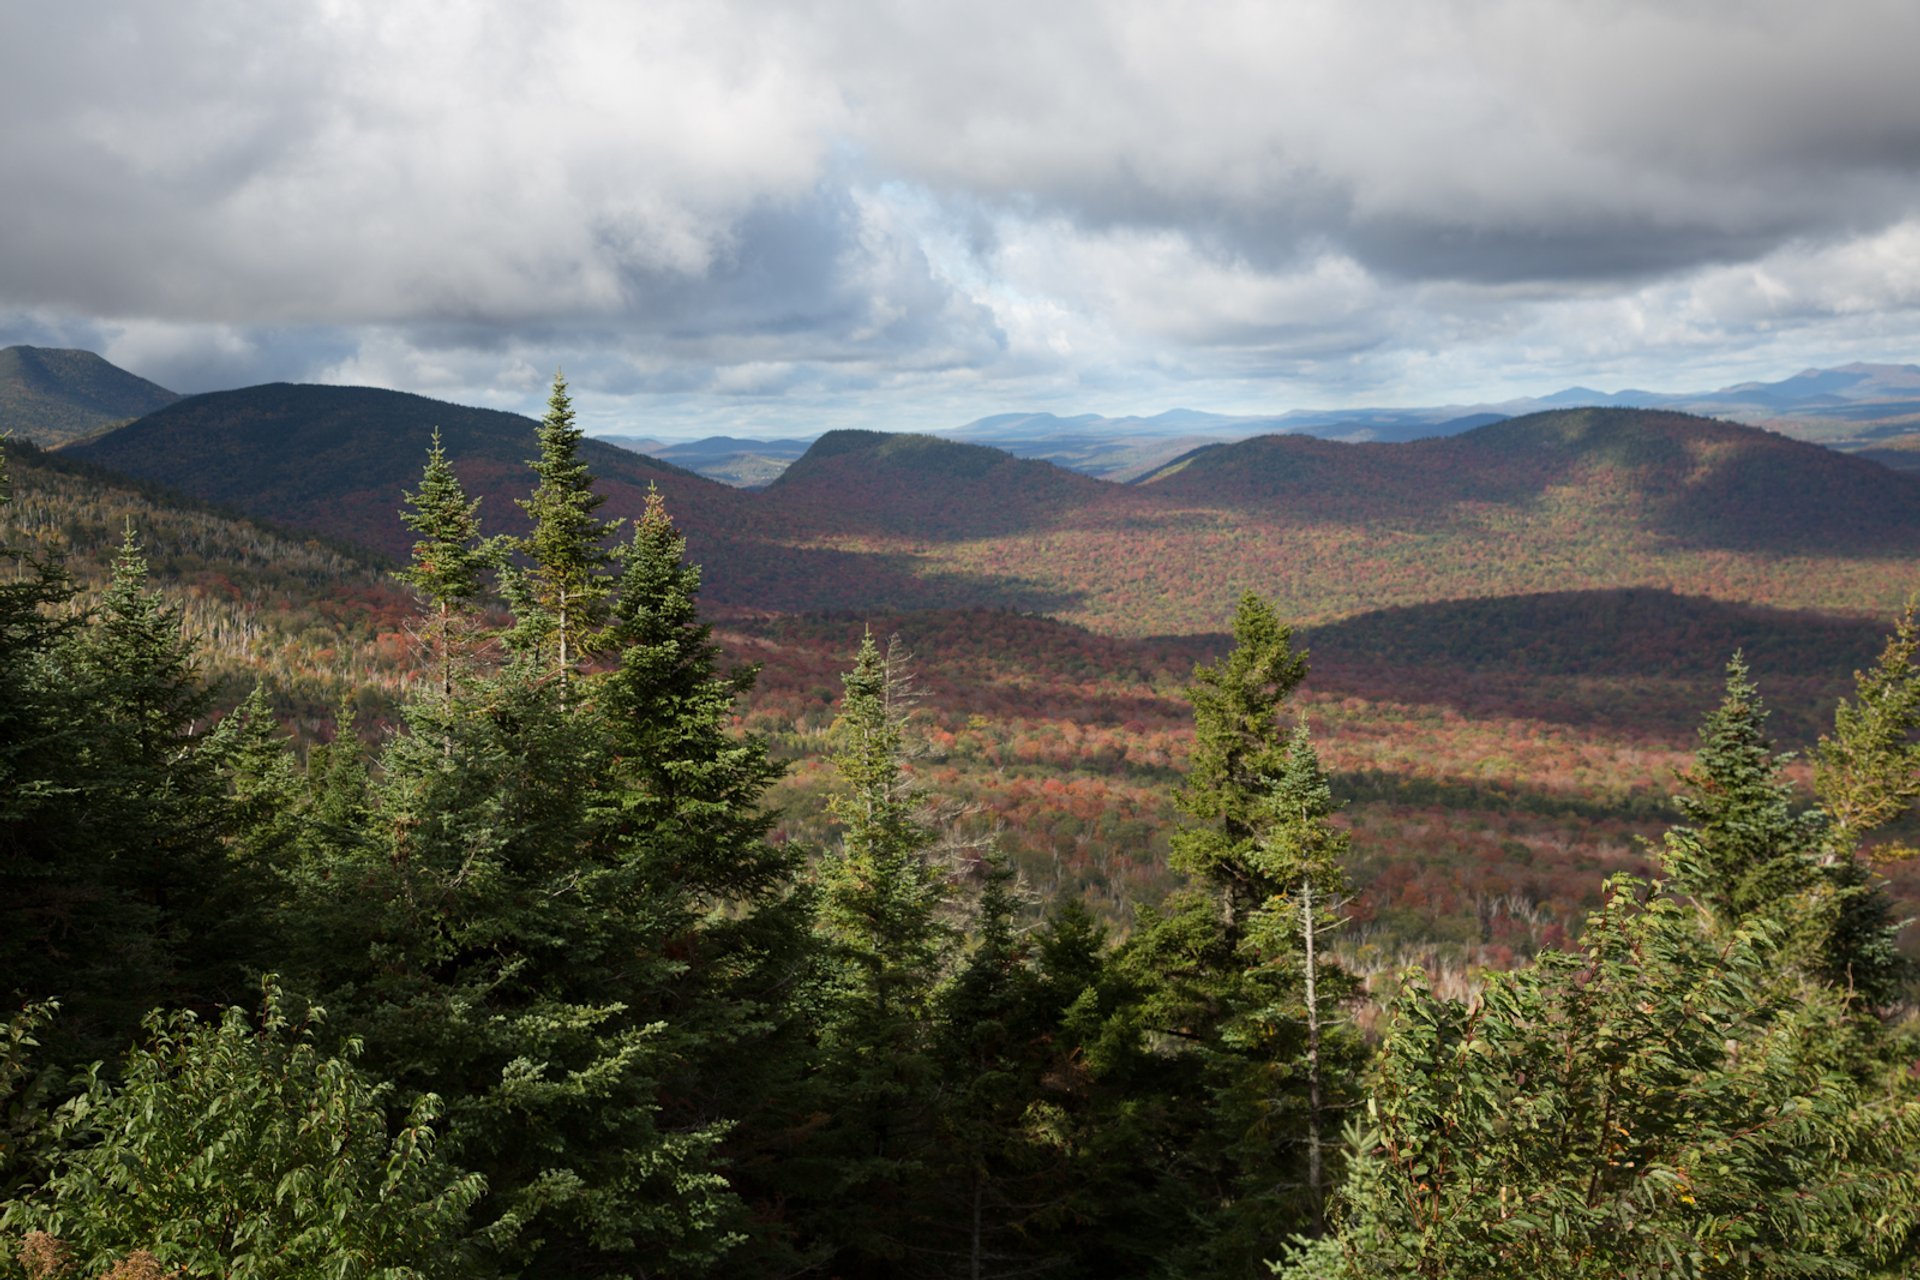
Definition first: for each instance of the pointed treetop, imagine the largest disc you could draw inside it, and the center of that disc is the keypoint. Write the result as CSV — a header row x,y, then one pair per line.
x,y
1867,773
1746,840
447,559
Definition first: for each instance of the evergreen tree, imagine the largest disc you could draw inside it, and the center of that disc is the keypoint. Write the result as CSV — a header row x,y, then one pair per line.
x,y
561,599
683,801
1669,1100
1000,1180
1749,848
121,895
32,709
1747,844
1220,968
1867,773
881,900
46,878
1311,1060
448,559
1238,745
491,948
243,1151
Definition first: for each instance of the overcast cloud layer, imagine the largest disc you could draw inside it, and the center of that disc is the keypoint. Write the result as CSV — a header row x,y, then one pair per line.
x,y
734,216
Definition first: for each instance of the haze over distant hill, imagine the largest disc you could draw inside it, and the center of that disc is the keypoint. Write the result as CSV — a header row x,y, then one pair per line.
x,y
1853,407
50,395
743,463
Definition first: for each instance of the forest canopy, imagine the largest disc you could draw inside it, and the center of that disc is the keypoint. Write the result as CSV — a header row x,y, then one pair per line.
x,y
529,987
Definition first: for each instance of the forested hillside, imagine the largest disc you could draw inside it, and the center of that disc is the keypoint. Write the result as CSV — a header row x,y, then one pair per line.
x,y
556,990
320,622
336,459
1573,499
52,395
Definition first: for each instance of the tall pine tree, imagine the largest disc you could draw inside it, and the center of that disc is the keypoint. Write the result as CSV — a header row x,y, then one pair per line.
x,y
448,559
682,800
561,597
880,902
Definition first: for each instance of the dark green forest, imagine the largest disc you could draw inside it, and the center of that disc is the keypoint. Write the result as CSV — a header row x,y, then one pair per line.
x,y
528,987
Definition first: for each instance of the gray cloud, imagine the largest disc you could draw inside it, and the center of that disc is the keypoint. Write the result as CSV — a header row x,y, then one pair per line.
x,y
864,212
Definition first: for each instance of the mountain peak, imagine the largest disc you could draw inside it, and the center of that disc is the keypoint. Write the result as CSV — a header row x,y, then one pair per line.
x,y
53,395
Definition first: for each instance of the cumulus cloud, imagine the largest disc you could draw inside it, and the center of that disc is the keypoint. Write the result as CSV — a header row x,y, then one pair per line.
x,y
856,211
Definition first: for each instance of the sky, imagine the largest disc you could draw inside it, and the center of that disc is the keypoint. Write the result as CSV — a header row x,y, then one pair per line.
x,y
744,217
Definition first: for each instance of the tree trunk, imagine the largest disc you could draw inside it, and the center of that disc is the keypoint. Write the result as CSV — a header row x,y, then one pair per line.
x,y
1313,1057
563,651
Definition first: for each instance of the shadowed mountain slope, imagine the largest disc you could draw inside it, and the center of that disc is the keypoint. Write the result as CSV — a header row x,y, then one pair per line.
x,y
50,395
1698,481
337,459
867,521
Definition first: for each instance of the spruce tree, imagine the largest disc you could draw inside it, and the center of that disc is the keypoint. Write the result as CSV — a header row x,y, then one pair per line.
x,y
1669,1099
1002,1172
1224,1001
881,899
490,947
131,899
561,599
1867,772
1308,1084
682,800
1747,844
448,558
1238,744
47,878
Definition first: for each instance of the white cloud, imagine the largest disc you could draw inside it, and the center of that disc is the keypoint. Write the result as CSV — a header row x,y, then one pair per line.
x,y
918,212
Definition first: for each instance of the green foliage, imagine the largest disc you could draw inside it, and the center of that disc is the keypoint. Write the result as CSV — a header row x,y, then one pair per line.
x,y
880,904
1666,1100
26,1135
114,888
1237,747
1749,850
1305,1060
1868,772
1746,844
448,559
682,801
243,1151
490,948
560,602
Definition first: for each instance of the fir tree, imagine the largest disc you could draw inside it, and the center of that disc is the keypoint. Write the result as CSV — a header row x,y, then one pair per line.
x,y
1238,745
117,838
1220,968
1867,773
1305,852
562,597
1003,1173
881,900
46,877
683,801
1747,844
448,559
491,947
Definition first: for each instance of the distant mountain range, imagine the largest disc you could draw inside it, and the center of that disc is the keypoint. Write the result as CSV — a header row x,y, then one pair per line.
x,y
745,464
49,395
1856,406
863,521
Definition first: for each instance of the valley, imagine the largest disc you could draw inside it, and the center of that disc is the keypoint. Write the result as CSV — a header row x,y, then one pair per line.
x,y
1513,630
